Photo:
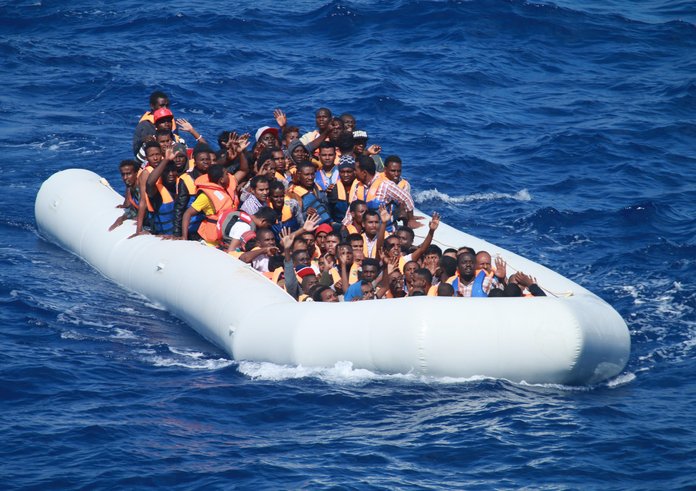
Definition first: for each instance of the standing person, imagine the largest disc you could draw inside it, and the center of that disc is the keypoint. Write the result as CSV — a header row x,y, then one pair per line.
x,y
322,118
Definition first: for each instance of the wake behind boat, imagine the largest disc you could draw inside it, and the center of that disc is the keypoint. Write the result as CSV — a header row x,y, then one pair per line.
x,y
572,337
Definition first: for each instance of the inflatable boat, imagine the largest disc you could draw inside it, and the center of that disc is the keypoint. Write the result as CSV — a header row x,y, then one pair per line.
x,y
569,337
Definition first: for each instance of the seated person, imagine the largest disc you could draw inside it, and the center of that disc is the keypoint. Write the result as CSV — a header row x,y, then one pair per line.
x,y
129,175
259,255
469,282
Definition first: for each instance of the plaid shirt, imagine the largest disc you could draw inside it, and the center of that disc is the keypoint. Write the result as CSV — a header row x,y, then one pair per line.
x,y
386,192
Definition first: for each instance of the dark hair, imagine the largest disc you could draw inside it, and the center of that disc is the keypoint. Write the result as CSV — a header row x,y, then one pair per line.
x,y
355,204
392,158
445,290
275,184
417,293
151,144
129,163
162,132
316,113
265,213
371,261
335,234
304,164
326,144
512,290
345,142
448,265
222,138
425,273
317,291
465,249
366,164
352,237
296,254
450,249
215,173
157,95
408,230
496,292
256,180
289,129
433,249
275,262
371,213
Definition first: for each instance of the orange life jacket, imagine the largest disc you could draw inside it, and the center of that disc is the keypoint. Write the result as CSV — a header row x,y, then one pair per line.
x,y
210,229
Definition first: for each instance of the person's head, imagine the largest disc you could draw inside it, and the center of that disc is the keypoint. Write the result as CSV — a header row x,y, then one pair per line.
x,y
170,174
345,143
265,237
359,142
217,174
357,210
483,261
355,241
310,239
268,136
324,293
432,253
409,270
496,292
320,235
163,119
158,99
451,253
365,169
305,174
290,133
129,172
180,157
164,138
265,217
445,290
346,174
422,279
331,241
391,247
278,158
406,236
276,195
259,187
309,281
326,262
297,152
300,257
371,222
448,267
345,249
322,117
201,157
392,168
465,249
327,155
370,269
336,127
348,122
396,284
466,265
299,244
153,153
368,291
512,290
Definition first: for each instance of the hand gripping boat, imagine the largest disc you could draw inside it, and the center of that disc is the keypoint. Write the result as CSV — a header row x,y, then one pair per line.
x,y
572,337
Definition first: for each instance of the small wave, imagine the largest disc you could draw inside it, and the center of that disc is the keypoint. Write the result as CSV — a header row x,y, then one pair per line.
x,y
621,380
123,334
435,195
193,360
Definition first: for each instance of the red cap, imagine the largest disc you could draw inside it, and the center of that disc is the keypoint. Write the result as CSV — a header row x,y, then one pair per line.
x,y
162,113
325,228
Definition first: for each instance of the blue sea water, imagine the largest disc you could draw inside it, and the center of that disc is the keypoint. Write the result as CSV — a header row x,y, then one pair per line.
x,y
563,131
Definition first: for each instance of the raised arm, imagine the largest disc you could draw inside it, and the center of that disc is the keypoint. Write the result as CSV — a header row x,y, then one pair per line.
x,y
432,226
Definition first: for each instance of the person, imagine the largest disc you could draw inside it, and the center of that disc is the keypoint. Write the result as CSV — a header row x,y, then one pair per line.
x,y
445,290
528,283
129,175
323,293
290,133
322,118
468,282
264,249
327,176
337,197
375,223
268,136
280,169
307,193
258,197
376,192
360,290
154,156
213,200
348,122
146,126
164,124
161,186
288,213
483,262
356,210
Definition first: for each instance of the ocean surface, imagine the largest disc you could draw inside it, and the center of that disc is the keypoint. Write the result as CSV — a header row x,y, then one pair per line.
x,y
563,131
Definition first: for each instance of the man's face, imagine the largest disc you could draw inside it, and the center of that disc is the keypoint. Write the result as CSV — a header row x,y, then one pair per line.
x,y
409,270
327,157
483,261
129,175
180,160
265,238
369,273
347,176
300,153
360,174
348,123
330,243
309,238
359,213
322,119
392,247
347,251
164,124
277,197
170,176
368,291
356,245
269,139
371,224
154,156
466,265
279,161
321,241
307,177
329,295
202,161
393,171
302,258
404,238
290,136
261,191
336,127
165,141
359,147
160,102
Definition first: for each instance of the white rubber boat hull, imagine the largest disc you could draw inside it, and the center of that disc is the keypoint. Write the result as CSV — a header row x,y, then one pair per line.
x,y
578,339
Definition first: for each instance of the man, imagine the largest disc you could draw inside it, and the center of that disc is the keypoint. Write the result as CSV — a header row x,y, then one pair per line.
x,y
288,213
327,176
161,186
322,118
267,136
163,121
348,122
258,198
337,197
265,247
153,156
468,282
129,175
187,191
356,211
376,192
307,193
146,125
483,262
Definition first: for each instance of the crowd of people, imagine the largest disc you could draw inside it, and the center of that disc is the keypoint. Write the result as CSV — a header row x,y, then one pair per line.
x,y
320,213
